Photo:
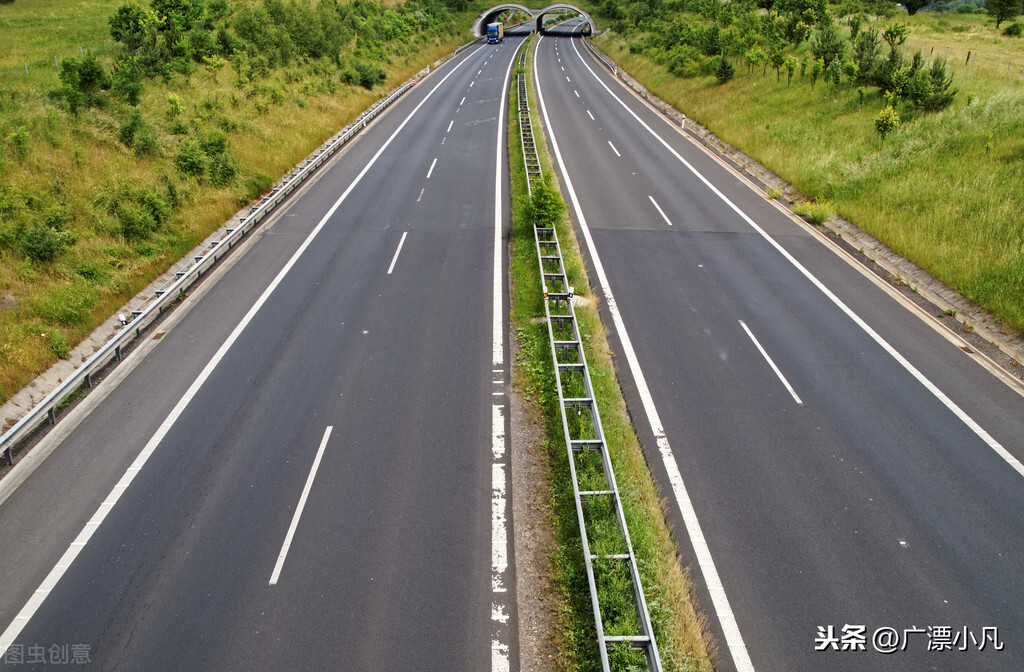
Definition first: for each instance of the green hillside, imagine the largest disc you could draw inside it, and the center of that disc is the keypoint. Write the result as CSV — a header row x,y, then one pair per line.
x,y
124,143
942,188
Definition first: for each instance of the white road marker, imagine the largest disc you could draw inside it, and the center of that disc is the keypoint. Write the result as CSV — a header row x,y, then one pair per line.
x,y
431,171
576,92
472,83
978,430
302,505
450,126
499,447
58,571
397,252
591,116
770,362
462,101
660,211
733,638
613,149
420,197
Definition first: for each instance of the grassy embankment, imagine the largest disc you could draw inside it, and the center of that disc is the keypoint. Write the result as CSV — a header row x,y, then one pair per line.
x,y
679,629
64,175
944,190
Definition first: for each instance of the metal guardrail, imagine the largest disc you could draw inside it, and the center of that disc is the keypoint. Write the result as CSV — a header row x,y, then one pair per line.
x,y
599,501
186,275
614,69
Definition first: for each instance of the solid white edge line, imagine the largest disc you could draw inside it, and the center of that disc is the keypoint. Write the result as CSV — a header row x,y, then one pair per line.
x,y
720,603
431,171
397,252
614,150
660,211
875,336
500,661
771,363
298,509
30,608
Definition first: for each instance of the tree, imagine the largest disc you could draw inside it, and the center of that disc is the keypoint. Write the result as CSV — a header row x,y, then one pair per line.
x,y
887,121
134,26
178,15
1002,9
816,70
790,63
914,5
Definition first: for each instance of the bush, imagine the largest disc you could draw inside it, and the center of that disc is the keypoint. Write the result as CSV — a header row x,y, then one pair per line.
x,y
1013,30
42,242
130,127
137,223
369,75
191,159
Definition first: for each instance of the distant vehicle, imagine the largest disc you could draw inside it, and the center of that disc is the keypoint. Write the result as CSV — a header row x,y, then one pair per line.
x,y
495,33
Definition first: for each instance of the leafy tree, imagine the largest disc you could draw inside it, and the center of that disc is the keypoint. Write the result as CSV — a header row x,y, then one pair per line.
x,y
1002,10
816,71
790,63
777,58
127,80
134,26
914,5
828,44
178,15
834,72
755,58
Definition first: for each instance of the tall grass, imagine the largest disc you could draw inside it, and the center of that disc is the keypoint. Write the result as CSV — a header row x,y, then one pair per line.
x,y
943,190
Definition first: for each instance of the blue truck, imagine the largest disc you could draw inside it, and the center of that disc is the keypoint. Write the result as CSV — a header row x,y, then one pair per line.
x,y
495,33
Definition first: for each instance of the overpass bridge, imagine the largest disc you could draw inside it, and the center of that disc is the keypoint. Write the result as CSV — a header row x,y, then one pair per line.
x,y
488,16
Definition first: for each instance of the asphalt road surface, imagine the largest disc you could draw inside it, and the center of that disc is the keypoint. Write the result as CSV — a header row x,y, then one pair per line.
x,y
308,471
844,481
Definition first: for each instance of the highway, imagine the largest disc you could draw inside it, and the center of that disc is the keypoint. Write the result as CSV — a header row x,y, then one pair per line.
x,y
308,469
844,481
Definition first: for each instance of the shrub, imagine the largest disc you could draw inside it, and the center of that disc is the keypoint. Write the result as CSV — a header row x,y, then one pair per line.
x,y
191,159
1013,30
130,127
887,121
19,141
137,222
42,243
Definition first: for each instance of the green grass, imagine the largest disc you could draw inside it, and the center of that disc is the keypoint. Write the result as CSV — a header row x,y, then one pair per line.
x,y
679,628
72,172
943,190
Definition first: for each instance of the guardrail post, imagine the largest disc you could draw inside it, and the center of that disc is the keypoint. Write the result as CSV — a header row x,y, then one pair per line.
x,y
8,457
50,413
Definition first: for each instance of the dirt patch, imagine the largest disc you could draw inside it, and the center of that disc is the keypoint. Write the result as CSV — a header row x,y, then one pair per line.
x,y
8,301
